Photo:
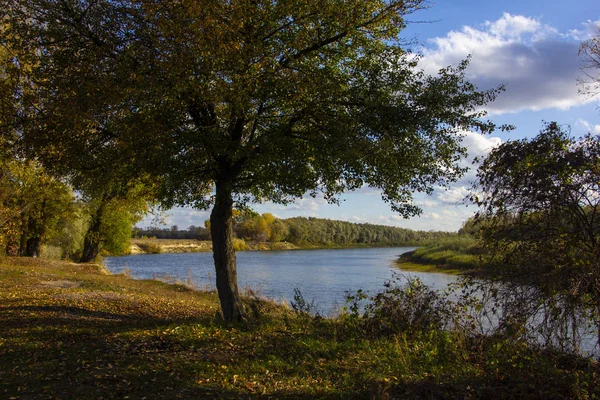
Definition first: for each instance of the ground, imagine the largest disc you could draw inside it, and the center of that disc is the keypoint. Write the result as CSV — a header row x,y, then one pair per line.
x,y
74,331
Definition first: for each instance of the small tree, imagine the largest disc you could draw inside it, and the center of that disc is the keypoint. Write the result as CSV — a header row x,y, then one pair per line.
x,y
540,204
112,216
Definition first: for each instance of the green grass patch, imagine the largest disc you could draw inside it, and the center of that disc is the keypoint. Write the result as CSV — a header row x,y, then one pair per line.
x,y
457,254
72,331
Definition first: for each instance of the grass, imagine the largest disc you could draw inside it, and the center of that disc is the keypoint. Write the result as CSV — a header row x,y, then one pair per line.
x,y
73,331
453,255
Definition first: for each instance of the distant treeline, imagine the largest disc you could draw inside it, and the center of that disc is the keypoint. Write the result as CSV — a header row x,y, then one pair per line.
x,y
329,232
192,232
302,231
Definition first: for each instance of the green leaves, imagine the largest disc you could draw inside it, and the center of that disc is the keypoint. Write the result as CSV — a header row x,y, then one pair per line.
x,y
541,215
281,98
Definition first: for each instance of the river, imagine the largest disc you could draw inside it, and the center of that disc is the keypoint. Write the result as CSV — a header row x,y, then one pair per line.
x,y
322,276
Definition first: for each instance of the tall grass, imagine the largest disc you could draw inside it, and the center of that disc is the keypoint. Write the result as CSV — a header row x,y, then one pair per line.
x,y
456,252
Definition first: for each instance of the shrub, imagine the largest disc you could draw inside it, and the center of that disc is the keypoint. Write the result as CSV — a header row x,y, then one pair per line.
x,y
150,248
239,244
403,307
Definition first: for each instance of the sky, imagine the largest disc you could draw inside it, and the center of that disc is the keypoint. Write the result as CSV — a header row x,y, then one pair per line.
x,y
529,46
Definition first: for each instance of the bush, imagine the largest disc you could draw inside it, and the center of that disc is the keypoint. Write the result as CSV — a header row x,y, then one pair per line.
x,y
150,248
239,244
405,305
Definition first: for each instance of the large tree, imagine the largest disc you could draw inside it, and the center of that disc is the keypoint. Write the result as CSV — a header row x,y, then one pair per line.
x,y
240,101
540,202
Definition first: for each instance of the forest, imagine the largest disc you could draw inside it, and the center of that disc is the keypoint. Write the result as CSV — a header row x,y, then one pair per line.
x,y
300,231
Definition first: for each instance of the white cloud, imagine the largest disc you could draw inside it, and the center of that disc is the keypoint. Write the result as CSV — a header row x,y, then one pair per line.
x,y
450,213
452,195
183,217
590,29
431,215
538,65
479,145
426,203
304,204
589,128
513,26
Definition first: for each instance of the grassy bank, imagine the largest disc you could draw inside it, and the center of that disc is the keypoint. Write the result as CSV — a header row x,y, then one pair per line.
x,y
72,331
454,255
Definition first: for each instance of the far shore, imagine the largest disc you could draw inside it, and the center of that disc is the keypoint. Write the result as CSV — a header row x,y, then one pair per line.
x,y
159,246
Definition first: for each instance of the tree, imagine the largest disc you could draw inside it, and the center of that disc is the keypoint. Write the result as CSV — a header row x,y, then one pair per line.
x,y
541,215
589,51
34,204
114,207
118,219
241,101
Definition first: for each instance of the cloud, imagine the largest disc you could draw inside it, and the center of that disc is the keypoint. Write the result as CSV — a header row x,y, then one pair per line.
x,y
479,145
590,29
306,203
431,215
589,128
183,217
452,195
538,65
426,203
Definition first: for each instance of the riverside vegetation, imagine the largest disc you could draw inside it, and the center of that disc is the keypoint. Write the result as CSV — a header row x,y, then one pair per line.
x,y
73,330
456,254
266,232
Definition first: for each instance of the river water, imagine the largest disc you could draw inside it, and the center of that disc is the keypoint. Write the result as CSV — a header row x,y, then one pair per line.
x,y
322,276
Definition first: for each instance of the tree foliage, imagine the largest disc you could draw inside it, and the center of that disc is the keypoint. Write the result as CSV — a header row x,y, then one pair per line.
x,y
325,232
305,231
31,207
241,101
541,207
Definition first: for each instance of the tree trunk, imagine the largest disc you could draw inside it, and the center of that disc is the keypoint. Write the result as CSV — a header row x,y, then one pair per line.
x,y
23,237
33,246
221,229
91,242
35,232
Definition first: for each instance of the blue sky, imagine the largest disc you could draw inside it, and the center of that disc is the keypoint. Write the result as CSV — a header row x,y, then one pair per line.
x,y
530,46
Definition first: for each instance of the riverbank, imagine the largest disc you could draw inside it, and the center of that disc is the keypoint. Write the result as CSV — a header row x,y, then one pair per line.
x,y
459,255
159,246
74,331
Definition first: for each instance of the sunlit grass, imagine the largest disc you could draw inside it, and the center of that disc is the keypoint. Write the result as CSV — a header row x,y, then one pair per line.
x,y
455,255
